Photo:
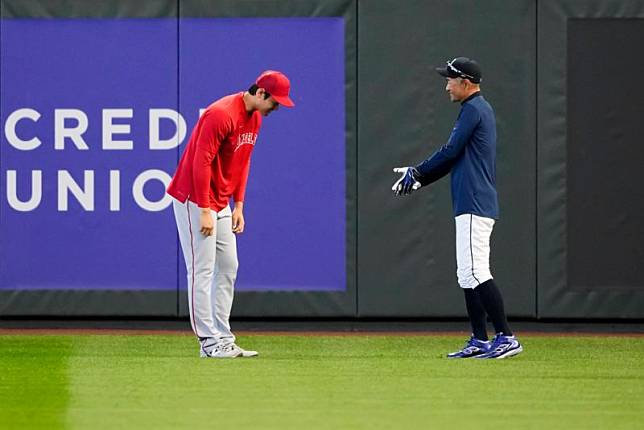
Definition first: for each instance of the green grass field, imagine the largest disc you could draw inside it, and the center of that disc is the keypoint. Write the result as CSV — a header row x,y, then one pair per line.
x,y
318,382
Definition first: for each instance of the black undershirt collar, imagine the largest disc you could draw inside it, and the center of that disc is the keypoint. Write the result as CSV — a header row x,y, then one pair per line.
x,y
476,94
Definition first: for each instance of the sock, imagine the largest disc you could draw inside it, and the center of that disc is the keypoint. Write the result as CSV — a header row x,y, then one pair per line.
x,y
492,302
476,312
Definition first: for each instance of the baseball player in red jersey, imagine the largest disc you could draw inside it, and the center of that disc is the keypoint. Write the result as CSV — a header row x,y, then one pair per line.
x,y
213,168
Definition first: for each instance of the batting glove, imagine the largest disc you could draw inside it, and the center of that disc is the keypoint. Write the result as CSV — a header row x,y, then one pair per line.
x,y
407,182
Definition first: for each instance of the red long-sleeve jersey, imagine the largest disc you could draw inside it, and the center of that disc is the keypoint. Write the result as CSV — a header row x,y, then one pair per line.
x,y
215,163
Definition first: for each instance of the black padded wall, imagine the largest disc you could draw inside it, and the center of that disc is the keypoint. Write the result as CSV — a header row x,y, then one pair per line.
x,y
563,78
406,250
589,159
605,158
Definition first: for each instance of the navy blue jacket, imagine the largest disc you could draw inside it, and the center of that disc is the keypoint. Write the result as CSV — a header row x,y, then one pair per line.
x,y
470,155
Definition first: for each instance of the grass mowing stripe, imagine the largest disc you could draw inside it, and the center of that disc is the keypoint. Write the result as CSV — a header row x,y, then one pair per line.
x,y
360,382
33,381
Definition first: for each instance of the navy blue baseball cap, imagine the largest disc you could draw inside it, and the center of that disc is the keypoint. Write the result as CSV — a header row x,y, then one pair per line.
x,y
462,67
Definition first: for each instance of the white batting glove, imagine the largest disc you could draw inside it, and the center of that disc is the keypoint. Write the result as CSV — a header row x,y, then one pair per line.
x,y
407,182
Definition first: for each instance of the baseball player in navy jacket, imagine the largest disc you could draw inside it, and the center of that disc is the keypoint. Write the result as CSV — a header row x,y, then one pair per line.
x,y
470,156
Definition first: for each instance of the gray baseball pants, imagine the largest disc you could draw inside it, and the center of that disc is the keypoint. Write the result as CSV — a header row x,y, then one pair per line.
x,y
211,263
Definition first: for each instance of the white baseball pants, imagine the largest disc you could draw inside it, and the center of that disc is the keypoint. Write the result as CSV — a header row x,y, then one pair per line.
x,y
473,249
211,262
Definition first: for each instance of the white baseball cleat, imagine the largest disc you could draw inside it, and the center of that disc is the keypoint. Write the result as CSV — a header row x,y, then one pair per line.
x,y
247,353
209,349
226,351
229,350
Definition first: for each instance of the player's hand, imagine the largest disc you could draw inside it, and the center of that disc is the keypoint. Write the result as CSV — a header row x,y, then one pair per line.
x,y
407,182
238,221
206,223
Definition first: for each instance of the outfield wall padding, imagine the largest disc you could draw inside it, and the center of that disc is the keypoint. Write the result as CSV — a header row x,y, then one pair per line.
x,y
406,246
566,244
590,198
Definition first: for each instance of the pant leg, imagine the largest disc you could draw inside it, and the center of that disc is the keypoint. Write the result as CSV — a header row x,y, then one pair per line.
x,y
199,254
481,234
225,275
473,249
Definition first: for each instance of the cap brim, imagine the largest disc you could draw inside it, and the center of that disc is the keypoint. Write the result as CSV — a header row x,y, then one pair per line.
x,y
284,101
444,71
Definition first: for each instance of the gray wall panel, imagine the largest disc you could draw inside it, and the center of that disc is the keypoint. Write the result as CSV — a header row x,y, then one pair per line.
x,y
88,8
556,298
267,8
286,304
406,245
79,303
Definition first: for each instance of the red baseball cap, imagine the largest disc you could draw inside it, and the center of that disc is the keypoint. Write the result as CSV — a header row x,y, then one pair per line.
x,y
277,85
